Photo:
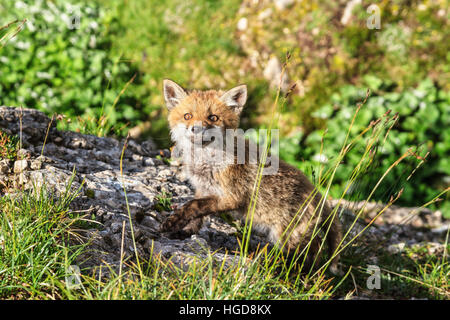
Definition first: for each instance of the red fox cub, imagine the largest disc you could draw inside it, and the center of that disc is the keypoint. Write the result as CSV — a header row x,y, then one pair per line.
x,y
287,209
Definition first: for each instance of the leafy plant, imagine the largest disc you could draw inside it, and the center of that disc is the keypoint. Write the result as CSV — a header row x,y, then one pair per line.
x,y
164,201
61,63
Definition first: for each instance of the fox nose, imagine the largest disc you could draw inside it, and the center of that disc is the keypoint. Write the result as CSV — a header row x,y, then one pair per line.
x,y
197,129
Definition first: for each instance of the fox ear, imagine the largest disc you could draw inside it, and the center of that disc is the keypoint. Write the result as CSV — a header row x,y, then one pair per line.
x,y
235,98
173,93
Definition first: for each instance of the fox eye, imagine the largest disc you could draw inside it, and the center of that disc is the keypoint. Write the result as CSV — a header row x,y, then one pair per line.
x,y
187,116
213,118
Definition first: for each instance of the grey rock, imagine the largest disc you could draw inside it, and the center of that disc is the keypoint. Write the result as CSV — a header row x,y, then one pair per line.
x,y
116,227
397,247
35,124
20,166
36,164
23,153
396,229
152,162
5,166
137,158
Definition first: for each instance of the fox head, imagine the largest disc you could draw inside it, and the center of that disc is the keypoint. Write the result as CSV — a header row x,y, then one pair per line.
x,y
198,116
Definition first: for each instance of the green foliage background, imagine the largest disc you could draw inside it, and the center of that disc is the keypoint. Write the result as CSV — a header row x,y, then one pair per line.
x,y
63,64
423,122
82,73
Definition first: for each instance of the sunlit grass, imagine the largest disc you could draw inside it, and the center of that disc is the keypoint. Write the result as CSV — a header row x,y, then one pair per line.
x,y
37,241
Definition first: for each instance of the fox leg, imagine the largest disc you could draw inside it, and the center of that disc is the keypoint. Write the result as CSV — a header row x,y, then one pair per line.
x,y
196,208
191,228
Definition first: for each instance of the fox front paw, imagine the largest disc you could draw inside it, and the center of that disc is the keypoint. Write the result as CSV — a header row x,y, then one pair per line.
x,y
174,222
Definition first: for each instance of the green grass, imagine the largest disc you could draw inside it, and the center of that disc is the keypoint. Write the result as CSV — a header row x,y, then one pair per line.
x,y
37,242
